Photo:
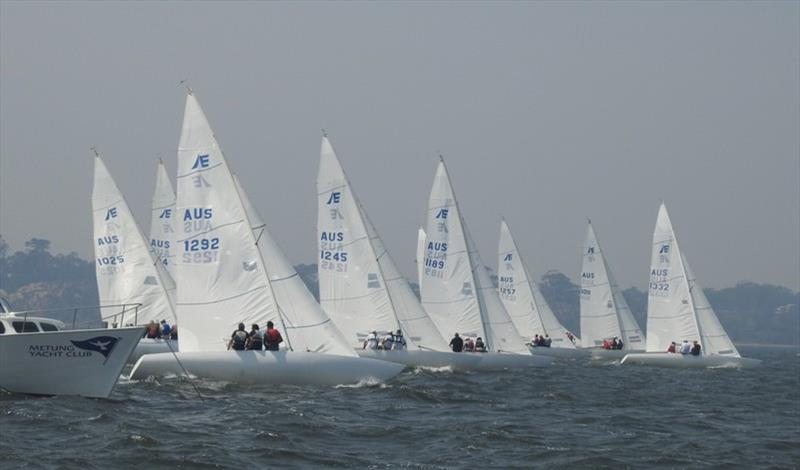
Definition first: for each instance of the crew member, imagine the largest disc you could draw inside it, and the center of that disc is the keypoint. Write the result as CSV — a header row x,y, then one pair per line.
x,y
255,340
399,341
457,344
238,339
272,338
372,341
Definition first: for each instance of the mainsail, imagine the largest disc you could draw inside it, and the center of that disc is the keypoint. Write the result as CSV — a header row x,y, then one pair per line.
x,y
126,271
677,309
521,296
360,286
604,312
455,286
306,326
220,276
162,230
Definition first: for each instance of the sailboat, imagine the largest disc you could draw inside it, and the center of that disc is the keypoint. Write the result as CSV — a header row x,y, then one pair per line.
x,y
455,286
162,229
605,314
677,310
126,271
360,286
229,270
525,304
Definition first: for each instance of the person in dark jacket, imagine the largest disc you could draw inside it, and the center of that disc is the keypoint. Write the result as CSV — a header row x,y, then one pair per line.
x,y
457,344
695,349
238,339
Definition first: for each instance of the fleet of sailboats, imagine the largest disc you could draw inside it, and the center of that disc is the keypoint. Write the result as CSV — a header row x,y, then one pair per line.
x,y
229,272
210,263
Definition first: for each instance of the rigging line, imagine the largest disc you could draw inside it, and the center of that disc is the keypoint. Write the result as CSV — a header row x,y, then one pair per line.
x,y
188,377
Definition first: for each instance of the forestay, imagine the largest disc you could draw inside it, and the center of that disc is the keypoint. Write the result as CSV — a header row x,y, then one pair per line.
x,y
306,326
125,269
604,312
360,286
456,289
162,229
221,279
521,296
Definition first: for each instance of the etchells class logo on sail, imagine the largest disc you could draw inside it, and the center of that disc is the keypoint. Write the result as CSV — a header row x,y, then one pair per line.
x,y
202,162
101,344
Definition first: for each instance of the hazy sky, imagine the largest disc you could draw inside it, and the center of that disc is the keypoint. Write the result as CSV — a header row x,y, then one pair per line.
x,y
546,113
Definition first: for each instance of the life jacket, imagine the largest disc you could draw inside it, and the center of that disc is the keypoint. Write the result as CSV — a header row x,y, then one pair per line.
x,y
388,342
239,339
479,346
256,341
272,339
372,341
166,329
399,343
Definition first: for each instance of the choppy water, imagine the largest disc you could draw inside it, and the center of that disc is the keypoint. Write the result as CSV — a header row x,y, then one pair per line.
x,y
577,416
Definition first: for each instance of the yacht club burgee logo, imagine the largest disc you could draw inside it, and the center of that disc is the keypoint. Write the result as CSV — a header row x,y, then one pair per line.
x,y
102,344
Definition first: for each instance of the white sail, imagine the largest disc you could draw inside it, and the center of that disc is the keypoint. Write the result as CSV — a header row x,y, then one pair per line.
x,y
713,338
305,324
125,269
604,312
455,286
670,313
420,260
162,229
221,279
360,286
521,297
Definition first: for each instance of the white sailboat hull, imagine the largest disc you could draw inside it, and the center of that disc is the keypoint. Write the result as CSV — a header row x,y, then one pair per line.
x,y
457,361
610,354
152,346
499,361
558,352
267,367
51,364
677,360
